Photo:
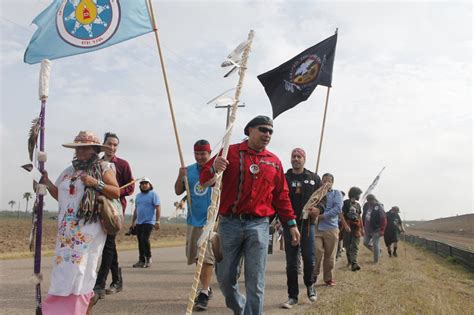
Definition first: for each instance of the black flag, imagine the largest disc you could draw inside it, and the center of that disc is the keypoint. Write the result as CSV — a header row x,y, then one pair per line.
x,y
295,80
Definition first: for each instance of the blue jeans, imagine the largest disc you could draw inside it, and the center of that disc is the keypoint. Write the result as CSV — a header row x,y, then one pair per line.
x,y
247,238
372,242
307,253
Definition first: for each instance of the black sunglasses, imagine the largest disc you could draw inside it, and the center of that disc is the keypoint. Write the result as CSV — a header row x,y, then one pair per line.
x,y
265,130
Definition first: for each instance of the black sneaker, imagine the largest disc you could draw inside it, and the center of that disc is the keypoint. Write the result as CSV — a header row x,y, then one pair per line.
x,y
210,294
355,267
139,264
312,295
148,262
98,294
289,304
202,301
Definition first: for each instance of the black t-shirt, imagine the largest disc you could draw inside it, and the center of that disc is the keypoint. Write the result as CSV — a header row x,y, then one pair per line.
x,y
301,188
351,210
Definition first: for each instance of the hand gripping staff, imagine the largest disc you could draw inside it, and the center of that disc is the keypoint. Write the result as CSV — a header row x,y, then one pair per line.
x,y
213,207
314,200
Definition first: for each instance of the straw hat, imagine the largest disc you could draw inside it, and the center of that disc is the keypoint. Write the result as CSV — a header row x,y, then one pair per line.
x,y
84,139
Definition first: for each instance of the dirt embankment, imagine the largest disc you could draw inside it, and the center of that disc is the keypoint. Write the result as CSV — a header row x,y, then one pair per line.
x,y
456,231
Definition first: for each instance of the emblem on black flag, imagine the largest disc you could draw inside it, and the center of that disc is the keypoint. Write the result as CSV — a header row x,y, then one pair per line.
x,y
303,73
293,82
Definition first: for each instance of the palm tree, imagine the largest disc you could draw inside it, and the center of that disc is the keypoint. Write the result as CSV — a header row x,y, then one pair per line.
x,y
27,196
12,203
131,203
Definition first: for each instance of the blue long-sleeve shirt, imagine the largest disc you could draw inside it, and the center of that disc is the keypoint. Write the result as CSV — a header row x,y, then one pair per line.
x,y
331,211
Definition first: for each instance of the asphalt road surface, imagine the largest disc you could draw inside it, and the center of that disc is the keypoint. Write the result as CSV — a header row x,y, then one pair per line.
x,y
162,289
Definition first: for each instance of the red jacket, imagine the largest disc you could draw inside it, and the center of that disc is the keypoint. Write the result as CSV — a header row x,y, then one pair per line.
x,y
245,193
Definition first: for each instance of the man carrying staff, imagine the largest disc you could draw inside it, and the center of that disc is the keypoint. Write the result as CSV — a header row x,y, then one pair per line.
x,y
109,254
327,233
253,187
302,183
197,218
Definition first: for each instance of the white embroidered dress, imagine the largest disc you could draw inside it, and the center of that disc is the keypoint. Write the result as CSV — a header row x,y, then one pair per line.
x,y
78,245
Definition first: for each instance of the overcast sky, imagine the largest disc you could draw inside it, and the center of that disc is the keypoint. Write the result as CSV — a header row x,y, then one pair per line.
x,y
401,96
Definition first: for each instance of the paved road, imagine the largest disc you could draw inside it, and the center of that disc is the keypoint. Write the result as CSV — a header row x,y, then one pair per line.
x,y
161,289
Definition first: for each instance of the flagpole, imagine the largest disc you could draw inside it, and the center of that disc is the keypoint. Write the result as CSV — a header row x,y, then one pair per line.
x,y
322,129
168,93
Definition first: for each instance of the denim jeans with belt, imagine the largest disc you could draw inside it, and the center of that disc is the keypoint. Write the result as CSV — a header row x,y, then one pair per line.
x,y
248,238
307,253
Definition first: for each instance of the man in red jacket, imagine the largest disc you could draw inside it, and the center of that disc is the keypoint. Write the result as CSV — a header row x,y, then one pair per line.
x,y
253,188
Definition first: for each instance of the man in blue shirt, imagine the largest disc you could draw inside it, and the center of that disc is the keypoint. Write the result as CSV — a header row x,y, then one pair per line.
x,y
145,217
197,218
327,232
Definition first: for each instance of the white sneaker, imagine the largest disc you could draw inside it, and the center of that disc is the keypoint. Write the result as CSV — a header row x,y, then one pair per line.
x,y
289,304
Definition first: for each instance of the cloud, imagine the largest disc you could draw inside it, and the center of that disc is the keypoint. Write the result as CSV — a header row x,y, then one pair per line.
x,y
401,98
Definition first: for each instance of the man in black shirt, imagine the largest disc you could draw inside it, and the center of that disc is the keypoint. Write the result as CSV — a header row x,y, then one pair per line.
x,y
301,183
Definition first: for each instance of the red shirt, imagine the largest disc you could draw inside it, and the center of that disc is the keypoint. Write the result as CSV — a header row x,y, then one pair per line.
x,y
256,194
124,176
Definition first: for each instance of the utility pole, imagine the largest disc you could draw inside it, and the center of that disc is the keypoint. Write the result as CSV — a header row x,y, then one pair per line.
x,y
228,111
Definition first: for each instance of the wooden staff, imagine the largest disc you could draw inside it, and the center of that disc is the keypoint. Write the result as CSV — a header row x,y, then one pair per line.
x,y
131,183
168,93
213,207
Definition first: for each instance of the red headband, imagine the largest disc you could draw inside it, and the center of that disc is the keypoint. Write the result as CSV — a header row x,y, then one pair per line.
x,y
300,152
202,147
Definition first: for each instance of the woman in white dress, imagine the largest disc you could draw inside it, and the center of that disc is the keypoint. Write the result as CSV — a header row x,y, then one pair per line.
x,y
80,237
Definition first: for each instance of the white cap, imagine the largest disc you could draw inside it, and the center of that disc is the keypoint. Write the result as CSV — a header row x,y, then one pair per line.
x,y
144,179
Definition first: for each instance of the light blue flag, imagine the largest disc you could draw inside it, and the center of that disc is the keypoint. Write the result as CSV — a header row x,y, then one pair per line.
x,y
71,27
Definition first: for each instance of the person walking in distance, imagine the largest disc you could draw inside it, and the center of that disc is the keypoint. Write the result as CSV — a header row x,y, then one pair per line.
x,y
374,219
145,217
352,227
393,230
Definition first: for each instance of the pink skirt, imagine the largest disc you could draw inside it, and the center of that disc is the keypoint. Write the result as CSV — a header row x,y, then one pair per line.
x,y
66,305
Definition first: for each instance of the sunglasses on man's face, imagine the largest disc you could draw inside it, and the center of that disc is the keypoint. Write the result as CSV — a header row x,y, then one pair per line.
x,y
143,183
265,130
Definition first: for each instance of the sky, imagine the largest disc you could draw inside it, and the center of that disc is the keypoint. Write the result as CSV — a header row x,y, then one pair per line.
x,y
401,95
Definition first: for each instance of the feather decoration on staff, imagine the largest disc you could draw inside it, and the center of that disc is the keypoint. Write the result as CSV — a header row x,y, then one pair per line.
x,y
213,207
315,199
235,58
33,136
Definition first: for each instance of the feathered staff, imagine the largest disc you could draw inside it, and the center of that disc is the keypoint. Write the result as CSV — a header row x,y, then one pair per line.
x,y
213,207
41,188
313,201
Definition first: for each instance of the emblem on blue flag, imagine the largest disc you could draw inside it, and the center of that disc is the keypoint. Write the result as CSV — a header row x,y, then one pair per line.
x,y
88,23
71,27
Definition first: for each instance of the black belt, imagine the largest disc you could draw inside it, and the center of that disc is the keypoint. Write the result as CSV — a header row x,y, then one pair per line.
x,y
243,216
